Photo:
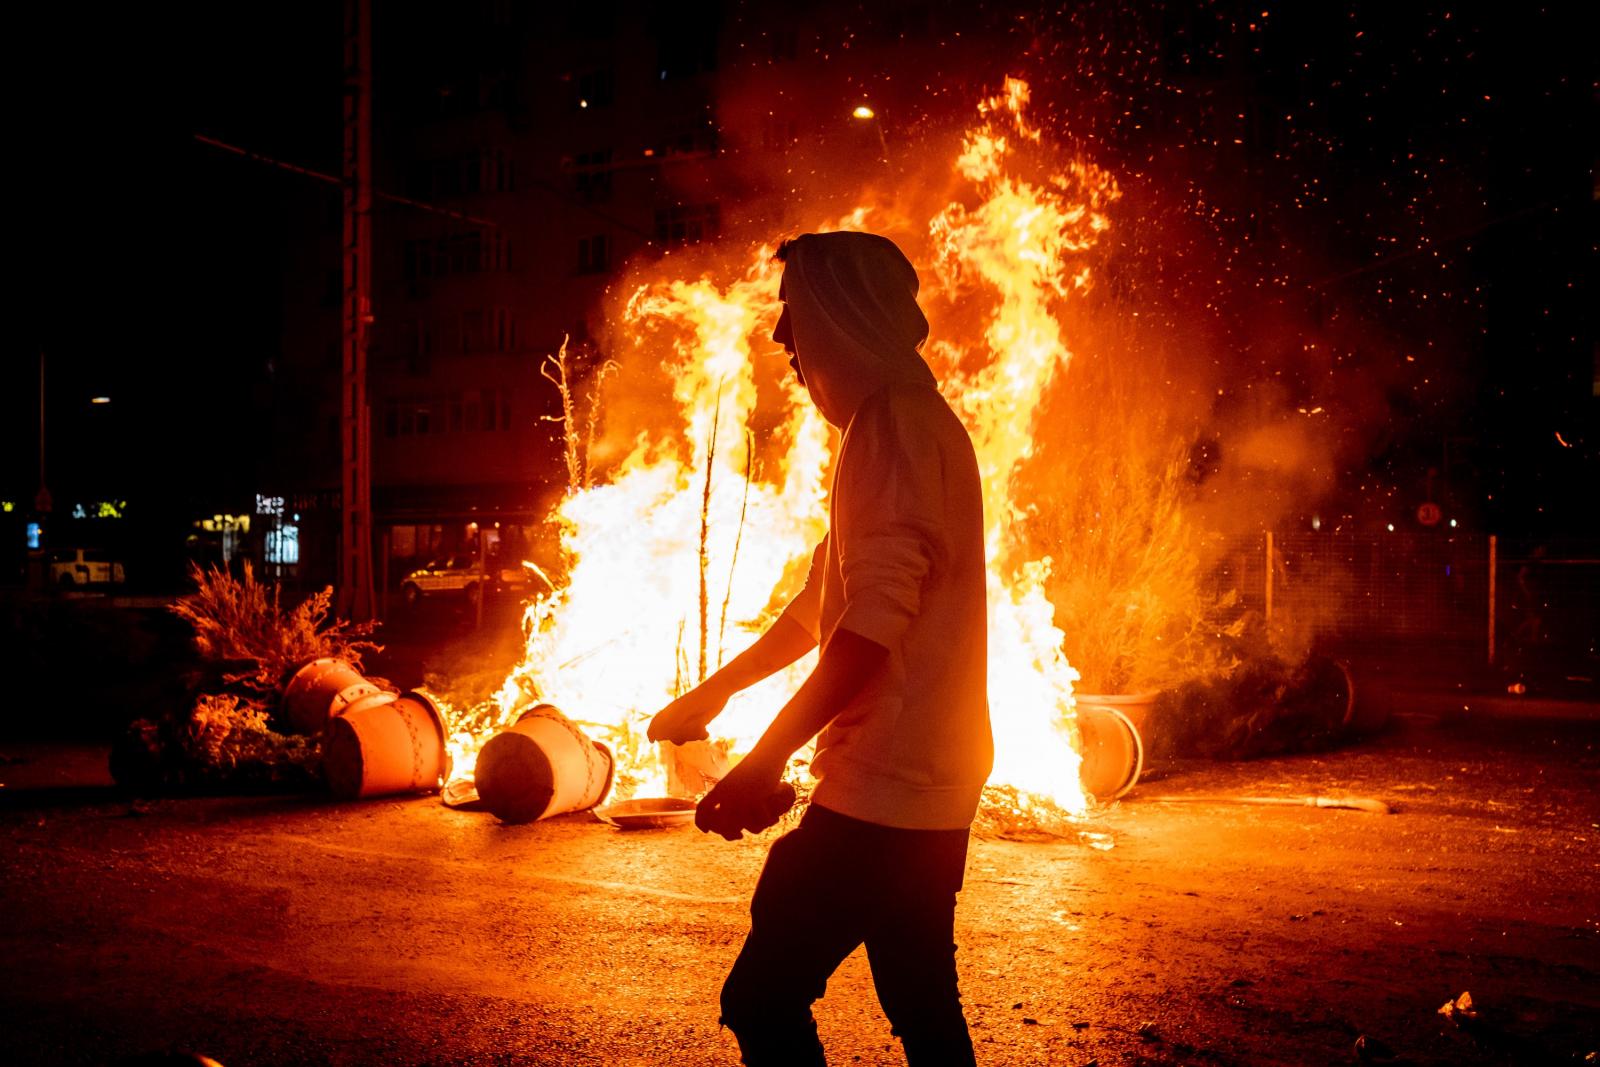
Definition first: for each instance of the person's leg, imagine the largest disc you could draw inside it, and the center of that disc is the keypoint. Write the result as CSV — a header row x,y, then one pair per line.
x,y
911,947
804,920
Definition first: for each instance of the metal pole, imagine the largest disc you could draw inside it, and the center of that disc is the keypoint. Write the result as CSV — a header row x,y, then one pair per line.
x,y
483,577
355,560
41,423
1269,575
384,548
1493,565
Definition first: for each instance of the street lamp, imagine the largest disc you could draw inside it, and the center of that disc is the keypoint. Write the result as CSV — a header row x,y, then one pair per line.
x,y
865,113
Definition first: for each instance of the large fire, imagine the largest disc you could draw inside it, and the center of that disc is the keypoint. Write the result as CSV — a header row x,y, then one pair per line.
x,y
686,549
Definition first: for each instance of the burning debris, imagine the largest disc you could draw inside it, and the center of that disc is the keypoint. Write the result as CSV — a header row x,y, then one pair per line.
x,y
382,744
682,539
718,508
544,765
684,530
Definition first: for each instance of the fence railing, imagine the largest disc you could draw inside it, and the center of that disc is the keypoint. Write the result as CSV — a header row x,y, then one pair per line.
x,y
1504,597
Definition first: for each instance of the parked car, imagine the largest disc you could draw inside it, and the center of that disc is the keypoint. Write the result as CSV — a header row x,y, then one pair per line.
x,y
83,566
459,576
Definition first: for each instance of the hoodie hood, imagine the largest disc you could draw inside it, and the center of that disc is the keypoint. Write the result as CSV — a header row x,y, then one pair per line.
x,y
853,309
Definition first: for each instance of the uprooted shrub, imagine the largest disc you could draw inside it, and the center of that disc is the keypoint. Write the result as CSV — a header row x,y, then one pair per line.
x,y
247,643
224,742
241,627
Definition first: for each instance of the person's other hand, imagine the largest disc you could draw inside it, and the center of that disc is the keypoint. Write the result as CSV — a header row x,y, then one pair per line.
x,y
686,718
752,797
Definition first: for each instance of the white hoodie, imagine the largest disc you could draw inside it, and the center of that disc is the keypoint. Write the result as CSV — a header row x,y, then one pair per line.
x,y
903,563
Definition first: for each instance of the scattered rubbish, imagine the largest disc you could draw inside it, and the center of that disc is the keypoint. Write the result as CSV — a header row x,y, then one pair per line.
x,y
1113,753
382,744
543,765
1370,805
1265,707
693,768
1147,1032
1016,815
1459,1010
462,794
321,689
650,813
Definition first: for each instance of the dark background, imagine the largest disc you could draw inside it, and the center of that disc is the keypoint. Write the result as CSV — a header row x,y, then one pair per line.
x,y
1435,176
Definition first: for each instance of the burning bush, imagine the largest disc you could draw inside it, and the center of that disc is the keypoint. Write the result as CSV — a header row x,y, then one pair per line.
x,y
1129,558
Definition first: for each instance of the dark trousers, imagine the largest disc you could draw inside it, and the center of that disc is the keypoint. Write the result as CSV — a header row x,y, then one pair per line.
x,y
829,885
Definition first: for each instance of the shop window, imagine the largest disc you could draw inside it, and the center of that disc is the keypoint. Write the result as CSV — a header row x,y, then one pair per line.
x,y
594,254
593,172
687,224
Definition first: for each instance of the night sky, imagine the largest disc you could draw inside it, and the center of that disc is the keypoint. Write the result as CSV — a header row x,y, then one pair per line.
x,y
1430,173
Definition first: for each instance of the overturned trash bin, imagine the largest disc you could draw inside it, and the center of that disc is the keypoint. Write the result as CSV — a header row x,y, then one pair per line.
x,y
542,766
321,689
382,743
1113,754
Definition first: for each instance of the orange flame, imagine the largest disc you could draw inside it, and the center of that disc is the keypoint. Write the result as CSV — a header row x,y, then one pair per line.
x,y
690,545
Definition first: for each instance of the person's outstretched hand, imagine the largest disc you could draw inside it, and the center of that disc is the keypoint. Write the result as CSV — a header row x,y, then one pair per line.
x,y
752,797
686,718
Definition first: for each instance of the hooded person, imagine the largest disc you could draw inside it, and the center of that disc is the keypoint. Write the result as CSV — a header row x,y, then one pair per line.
x,y
895,599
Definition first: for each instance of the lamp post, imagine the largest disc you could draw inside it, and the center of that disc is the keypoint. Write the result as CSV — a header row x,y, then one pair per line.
x,y
865,113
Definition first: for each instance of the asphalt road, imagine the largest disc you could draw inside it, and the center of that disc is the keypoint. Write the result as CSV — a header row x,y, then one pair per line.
x,y
296,931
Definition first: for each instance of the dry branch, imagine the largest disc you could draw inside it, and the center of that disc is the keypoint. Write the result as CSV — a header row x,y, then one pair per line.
x,y
240,624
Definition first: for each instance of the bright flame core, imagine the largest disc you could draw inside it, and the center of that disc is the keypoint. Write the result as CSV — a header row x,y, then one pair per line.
x,y
691,546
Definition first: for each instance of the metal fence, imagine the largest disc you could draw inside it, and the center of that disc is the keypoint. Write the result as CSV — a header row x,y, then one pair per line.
x,y
1505,598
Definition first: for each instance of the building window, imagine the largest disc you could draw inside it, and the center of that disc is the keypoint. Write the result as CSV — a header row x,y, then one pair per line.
x,y
593,174
687,224
418,259
471,252
471,333
440,179
594,254
698,140
505,330
416,345
462,253
407,418
504,172
283,542
471,411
